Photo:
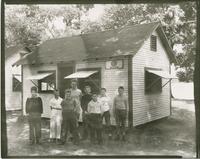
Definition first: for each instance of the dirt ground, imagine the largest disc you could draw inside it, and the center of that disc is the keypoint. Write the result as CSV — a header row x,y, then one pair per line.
x,y
174,135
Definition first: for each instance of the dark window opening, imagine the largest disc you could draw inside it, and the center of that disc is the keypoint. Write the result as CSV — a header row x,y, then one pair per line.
x,y
47,84
153,83
16,83
94,81
153,43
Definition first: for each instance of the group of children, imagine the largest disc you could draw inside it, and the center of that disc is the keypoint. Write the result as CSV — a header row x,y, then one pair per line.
x,y
66,115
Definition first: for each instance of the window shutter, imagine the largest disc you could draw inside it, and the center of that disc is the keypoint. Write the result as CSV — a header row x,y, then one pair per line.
x,y
153,43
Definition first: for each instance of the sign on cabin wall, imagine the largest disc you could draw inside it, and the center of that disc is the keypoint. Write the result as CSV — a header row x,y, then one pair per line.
x,y
115,64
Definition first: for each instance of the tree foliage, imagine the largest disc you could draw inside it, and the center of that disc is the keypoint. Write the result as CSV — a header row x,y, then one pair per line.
x,y
178,21
30,25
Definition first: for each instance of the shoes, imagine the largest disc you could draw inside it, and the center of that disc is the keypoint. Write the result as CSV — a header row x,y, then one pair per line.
x,y
61,143
109,136
84,138
100,142
76,143
38,142
52,140
117,137
58,141
31,142
123,138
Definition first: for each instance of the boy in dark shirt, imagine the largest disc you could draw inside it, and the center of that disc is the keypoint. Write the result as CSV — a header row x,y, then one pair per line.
x,y
69,114
34,109
86,98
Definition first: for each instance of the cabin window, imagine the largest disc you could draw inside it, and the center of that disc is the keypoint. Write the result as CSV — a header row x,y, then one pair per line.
x,y
47,84
16,83
94,81
153,83
153,43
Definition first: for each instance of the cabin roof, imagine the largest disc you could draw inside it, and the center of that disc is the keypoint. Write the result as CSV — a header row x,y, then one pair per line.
x,y
122,41
18,49
111,43
9,51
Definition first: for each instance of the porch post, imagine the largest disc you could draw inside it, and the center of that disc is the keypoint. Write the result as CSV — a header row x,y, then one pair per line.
x,y
130,91
197,83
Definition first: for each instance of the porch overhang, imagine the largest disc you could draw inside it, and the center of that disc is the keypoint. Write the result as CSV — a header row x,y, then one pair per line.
x,y
81,74
163,74
39,76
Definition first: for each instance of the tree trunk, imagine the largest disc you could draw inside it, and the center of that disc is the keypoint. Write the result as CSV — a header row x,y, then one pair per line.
x,y
197,83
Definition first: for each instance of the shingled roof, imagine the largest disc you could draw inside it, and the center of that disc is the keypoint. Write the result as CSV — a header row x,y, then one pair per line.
x,y
112,43
123,41
9,51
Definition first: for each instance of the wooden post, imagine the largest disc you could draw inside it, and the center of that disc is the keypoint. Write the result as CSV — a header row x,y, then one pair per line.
x,y
197,83
22,91
3,109
130,91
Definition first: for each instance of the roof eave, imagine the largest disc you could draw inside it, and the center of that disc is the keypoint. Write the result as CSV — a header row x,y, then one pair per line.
x,y
166,44
107,57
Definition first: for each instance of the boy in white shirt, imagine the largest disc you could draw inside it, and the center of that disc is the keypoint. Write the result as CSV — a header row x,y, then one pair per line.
x,y
94,119
56,117
105,107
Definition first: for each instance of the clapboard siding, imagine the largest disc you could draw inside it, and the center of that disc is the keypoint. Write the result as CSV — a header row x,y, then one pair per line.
x,y
111,79
29,70
147,108
12,99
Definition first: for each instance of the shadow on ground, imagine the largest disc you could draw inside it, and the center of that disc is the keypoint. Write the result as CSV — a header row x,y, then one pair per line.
x,y
174,135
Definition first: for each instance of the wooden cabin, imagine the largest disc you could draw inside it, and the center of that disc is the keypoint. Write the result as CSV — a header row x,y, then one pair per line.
x,y
13,81
136,57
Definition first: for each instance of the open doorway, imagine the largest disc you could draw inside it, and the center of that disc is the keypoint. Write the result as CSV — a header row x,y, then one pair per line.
x,y
63,83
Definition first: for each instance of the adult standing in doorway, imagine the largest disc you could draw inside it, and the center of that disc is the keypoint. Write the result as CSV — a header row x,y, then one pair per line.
x,y
77,95
87,97
56,117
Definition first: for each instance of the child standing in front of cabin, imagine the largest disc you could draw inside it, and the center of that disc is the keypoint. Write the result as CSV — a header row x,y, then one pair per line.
x,y
94,120
105,108
56,117
34,109
120,107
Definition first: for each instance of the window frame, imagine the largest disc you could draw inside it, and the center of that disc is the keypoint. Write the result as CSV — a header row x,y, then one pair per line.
x,y
153,43
93,69
40,81
158,79
20,83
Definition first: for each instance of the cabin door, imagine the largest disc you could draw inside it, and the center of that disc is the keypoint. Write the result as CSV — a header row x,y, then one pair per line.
x,y
62,82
